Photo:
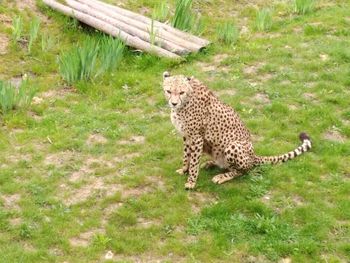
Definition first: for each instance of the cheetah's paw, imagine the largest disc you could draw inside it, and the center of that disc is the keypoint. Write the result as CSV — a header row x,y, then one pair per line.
x,y
190,185
219,179
181,171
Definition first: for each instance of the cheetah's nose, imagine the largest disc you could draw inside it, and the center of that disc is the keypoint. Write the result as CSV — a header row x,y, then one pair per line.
x,y
174,104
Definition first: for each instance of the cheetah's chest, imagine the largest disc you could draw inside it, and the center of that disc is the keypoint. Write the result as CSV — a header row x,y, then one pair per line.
x,y
177,122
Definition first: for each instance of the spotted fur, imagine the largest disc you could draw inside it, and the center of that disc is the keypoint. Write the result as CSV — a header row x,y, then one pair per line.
x,y
208,125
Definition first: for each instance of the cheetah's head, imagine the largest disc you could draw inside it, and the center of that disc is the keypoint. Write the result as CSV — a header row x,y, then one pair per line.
x,y
177,90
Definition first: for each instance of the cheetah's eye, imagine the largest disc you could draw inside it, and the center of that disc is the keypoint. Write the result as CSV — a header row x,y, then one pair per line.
x,y
182,92
168,91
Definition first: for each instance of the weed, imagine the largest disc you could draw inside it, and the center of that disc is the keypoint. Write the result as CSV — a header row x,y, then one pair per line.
x,y
12,98
227,33
79,63
47,42
161,12
111,52
33,32
17,28
185,19
263,20
303,7
153,34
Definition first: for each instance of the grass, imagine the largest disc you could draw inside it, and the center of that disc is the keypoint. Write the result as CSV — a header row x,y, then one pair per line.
x,y
85,173
12,98
228,33
186,19
303,7
161,12
263,20
91,59
17,28
33,32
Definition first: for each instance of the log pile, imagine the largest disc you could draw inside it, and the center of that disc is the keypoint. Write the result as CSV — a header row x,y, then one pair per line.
x,y
135,30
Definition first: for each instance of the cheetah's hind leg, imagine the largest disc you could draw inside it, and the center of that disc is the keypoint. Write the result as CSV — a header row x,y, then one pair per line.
x,y
222,178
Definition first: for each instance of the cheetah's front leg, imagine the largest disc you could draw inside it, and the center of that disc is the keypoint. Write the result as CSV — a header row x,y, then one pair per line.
x,y
196,146
186,157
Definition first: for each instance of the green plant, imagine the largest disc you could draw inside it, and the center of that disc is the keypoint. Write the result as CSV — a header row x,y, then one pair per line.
x,y
47,42
12,98
263,20
153,33
161,12
17,28
33,32
79,63
111,52
303,6
184,18
228,33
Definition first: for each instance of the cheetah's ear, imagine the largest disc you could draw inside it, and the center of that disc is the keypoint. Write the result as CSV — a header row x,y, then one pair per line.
x,y
166,74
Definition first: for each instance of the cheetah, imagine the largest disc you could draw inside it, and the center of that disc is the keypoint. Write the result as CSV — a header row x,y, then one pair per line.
x,y
210,126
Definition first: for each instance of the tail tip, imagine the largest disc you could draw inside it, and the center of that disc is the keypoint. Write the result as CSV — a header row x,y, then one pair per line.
x,y
303,136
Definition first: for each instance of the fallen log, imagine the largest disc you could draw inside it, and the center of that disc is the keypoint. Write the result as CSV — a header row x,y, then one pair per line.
x,y
147,27
128,29
194,39
107,28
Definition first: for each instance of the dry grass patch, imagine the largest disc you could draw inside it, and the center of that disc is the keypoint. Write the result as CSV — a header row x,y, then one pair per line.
x,y
334,135
96,139
133,140
262,98
84,239
11,201
59,159
4,42
199,200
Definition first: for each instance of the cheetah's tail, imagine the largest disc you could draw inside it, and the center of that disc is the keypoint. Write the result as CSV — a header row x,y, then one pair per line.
x,y
304,147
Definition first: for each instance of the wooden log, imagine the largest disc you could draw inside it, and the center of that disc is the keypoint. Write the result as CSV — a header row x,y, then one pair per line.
x,y
161,33
127,28
111,30
194,39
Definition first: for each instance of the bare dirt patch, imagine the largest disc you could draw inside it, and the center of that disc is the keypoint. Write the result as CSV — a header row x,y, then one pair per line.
x,y
310,96
133,140
214,66
96,138
15,221
200,200
125,157
146,222
334,135
262,98
4,42
59,159
226,92
11,201
5,20
84,239
253,69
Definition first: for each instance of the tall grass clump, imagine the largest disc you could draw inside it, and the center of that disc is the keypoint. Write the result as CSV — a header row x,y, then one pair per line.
x,y
111,51
12,98
17,28
185,19
91,59
79,63
303,6
263,20
47,42
33,32
161,12
227,33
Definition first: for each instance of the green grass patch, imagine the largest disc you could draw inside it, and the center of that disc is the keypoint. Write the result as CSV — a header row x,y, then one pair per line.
x,y
263,21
